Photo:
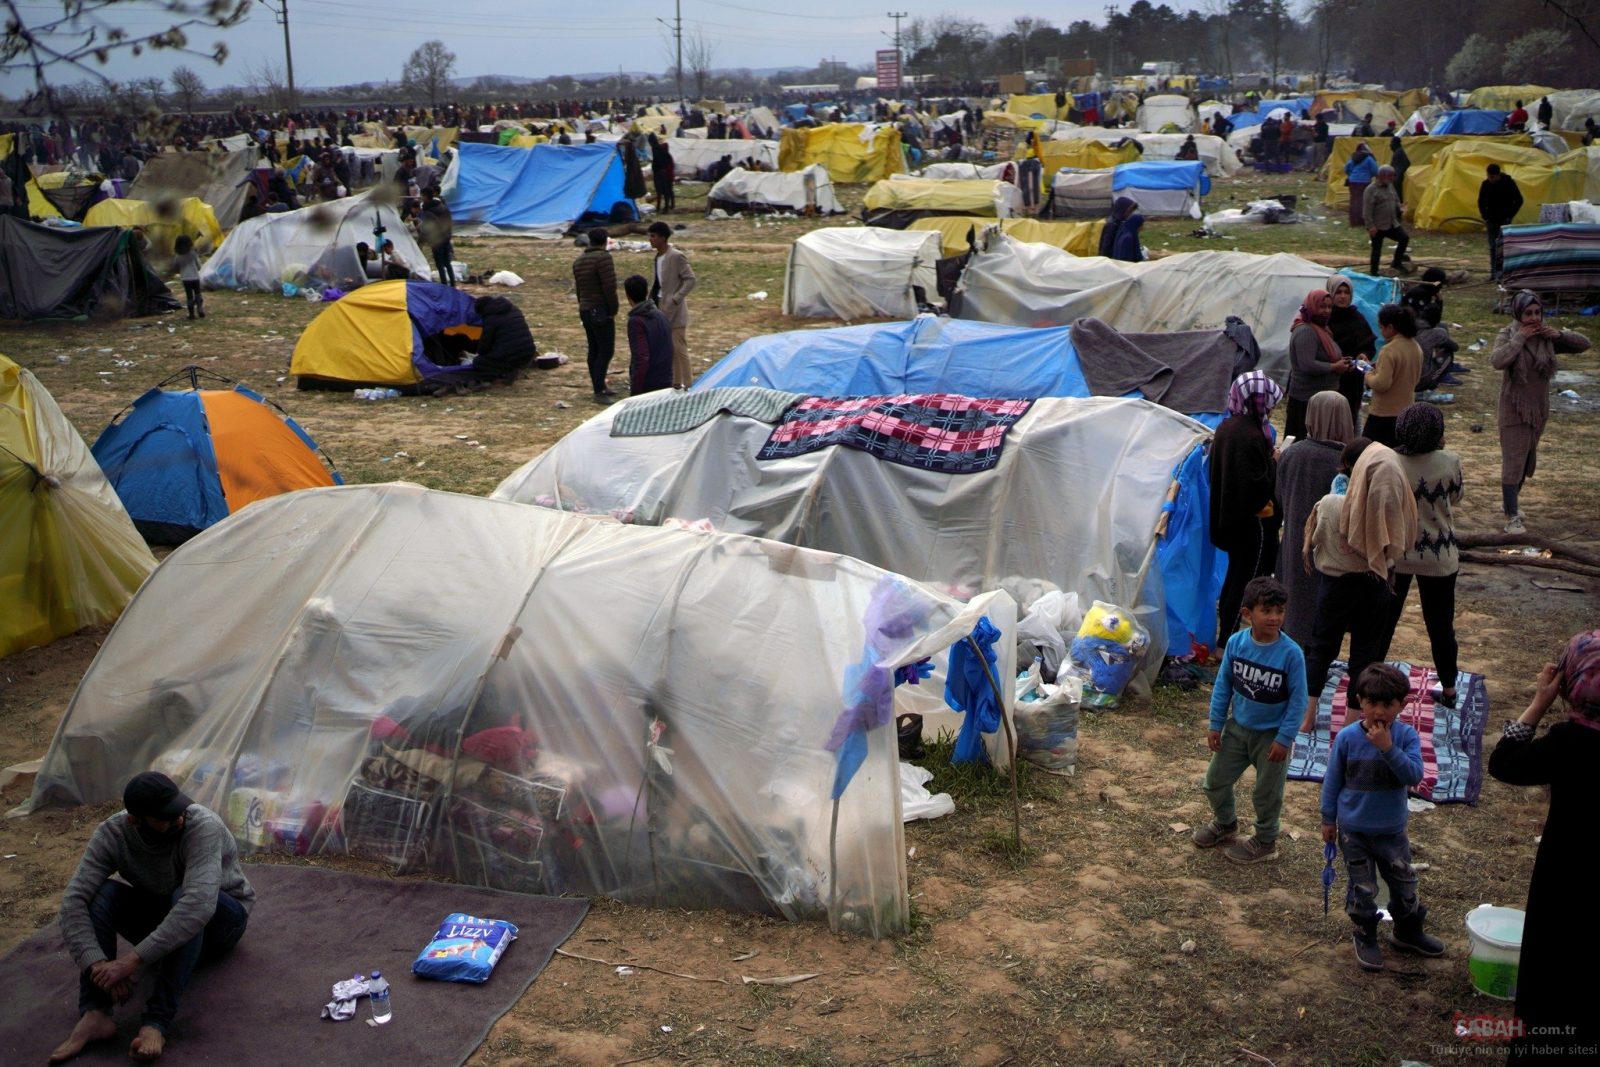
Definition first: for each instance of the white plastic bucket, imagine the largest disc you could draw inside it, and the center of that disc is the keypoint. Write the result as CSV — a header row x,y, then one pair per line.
x,y
1496,937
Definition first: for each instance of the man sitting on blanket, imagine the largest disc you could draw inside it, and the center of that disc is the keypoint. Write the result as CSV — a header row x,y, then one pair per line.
x,y
182,898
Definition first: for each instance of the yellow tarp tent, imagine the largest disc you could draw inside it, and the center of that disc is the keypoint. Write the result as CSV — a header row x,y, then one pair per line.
x,y
189,216
1505,97
955,196
1420,150
665,125
1444,193
1037,105
69,555
851,156
1083,155
1079,238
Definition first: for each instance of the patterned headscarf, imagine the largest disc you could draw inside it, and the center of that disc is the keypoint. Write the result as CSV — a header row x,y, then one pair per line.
x,y
1419,429
1254,394
1580,674
1314,312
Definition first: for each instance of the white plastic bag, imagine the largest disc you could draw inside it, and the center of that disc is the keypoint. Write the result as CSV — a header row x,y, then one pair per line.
x,y
915,800
506,278
1046,718
1049,625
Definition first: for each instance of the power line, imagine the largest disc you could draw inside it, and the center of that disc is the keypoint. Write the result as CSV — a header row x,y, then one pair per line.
x,y
281,15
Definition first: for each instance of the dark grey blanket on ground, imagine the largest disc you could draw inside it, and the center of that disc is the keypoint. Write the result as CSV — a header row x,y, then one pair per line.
x,y
260,1006
1188,372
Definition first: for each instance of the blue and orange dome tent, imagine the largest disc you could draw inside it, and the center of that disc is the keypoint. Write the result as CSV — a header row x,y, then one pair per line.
x,y
183,460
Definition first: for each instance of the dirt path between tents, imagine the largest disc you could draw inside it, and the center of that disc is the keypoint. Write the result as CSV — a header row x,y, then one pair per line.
x,y
1069,953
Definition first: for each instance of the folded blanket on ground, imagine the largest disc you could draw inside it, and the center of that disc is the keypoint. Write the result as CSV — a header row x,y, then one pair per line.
x,y
672,411
929,431
1452,738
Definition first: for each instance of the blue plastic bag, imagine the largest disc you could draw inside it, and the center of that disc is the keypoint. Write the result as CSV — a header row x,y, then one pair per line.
x,y
465,949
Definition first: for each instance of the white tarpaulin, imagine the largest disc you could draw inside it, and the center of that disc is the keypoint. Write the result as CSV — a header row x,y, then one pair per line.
x,y
1025,284
1157,112
692,156
967,171
1221,159
749,190
1072,503
857,273
672,748
316,244
1081,192
1569,107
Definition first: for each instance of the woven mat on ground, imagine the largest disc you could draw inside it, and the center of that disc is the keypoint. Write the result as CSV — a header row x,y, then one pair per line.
x,y
260,1005
1452,739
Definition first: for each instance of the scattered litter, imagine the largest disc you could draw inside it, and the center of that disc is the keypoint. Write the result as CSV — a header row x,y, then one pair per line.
x,y
461,437
1557,587
506,278
1421,866
550,360
282,378
63,359
915,800
1570,394
1417,805
762,295
402,455
562,405
623,972
788,979
10,855
1188,947
752,954
1178,827
666,1029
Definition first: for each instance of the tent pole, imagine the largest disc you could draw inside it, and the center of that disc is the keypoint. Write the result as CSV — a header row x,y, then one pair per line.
x,y
1156,535
1011,744
833,868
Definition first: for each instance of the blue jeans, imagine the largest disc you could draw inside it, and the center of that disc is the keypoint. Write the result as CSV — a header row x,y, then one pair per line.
x,y
1368,857
121,909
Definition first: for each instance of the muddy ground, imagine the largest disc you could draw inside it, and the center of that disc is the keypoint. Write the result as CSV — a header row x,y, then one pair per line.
x,y
1067,953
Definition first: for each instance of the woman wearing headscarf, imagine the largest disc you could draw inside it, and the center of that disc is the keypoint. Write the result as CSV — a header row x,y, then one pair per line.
x,y
1562,925
1355,542
1119,237
1243,482
1394,380
1359,171
1355,339
1525,351
1435,479
1305,475
1315,363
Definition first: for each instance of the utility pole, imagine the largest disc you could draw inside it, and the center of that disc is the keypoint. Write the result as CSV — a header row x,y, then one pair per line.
x,y
900,57
676,26
280,14
1111,42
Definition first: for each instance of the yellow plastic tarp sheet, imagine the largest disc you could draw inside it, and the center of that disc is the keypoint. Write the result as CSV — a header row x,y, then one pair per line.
x,y
69,555
1420,150
365,336
1444,193
666,125
974,196
192,217
1079,238
1040,105
1082,155
1505,97
852,155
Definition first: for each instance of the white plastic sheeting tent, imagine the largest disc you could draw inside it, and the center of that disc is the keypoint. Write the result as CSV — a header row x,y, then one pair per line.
x,y
1081,192
1569,107
1073,501
672,748
691,156
967,171
1156,112
797,191
1221,159
315,244
1026,284
855,273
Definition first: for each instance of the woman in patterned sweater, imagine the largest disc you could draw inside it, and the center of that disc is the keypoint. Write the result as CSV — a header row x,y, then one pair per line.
x,y
1435,477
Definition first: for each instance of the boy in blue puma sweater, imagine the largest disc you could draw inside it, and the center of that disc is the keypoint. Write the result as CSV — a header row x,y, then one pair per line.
x,y
1374,761
1255,712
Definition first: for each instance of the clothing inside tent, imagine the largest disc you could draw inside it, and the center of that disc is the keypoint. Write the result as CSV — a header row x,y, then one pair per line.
x,y
397,334
719,736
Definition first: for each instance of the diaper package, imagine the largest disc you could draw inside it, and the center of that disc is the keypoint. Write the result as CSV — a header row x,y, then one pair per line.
x,y
465,949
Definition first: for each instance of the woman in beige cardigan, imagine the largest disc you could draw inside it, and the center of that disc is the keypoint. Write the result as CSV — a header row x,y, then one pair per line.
x,y
1525,351
1394,380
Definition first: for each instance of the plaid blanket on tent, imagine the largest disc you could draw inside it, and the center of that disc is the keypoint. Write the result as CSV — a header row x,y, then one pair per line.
x,y
929,431
1452,738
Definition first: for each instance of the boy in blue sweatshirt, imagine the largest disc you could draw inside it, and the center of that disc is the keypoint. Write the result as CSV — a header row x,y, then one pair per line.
x,y
1255,711
1374,761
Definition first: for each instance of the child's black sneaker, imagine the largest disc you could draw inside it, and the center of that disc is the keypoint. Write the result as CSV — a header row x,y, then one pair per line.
x,y
1409,935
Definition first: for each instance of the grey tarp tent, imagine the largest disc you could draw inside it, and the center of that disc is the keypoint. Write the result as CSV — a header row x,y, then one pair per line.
x,y
97,271
219,179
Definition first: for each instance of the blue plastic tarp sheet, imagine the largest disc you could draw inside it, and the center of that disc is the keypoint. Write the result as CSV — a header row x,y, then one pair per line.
x,y
546,187
161,462
1161,174
1471,120
434,308
930,354
1299,106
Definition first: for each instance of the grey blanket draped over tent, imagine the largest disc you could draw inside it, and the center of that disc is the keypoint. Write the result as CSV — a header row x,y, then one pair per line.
x,y
1188,372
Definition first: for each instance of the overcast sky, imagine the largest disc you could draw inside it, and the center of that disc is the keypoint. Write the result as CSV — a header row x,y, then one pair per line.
x,y
337,42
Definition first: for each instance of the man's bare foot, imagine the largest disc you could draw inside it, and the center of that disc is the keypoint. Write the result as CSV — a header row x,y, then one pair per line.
x,y
92,1026
148,1045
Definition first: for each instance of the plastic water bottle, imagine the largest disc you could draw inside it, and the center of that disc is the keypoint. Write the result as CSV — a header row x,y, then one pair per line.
x,y
363,394
388,394
378,997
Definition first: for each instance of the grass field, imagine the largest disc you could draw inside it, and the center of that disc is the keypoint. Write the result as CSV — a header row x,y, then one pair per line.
x,y
1068,952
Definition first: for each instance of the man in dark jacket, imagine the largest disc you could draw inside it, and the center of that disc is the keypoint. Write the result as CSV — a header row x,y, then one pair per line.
x,y
1547,111
649,340
594,277
505,347
1499,200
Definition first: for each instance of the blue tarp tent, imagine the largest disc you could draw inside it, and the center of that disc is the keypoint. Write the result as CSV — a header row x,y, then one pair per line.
x,y
1161,174
931,355
1299,106
539,191
1470,120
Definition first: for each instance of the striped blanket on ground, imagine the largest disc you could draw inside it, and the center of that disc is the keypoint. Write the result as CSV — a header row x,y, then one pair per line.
x,y
929,431
1553,257
1452,739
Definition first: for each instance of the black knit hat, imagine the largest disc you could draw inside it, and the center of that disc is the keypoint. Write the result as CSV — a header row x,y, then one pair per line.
x,y
153,795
